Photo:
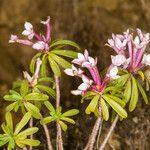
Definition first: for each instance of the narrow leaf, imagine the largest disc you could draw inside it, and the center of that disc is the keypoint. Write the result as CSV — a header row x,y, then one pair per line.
x,y
134,95
22,123
105,111
92,106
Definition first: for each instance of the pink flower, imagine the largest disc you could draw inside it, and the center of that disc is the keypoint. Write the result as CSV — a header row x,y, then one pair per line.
x,y
83,87
118,43
73,71
32,80
129,47
28,30
113,73
146,59
119,60
42,41
40,45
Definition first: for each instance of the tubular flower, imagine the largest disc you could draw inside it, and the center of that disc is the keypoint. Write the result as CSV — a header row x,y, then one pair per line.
x,y
94,84
130,50
32,80
42,41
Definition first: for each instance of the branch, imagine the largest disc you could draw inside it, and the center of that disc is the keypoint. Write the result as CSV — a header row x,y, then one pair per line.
x,y
109,133
59,141
31,125
48,137
93,135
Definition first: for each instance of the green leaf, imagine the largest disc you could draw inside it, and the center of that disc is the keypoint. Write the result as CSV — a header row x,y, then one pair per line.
x,y
14,92
49,106
112,89
92,106
46,120
28,131
71,112
48,90
68,120
54,67
141,74
12,97
142,92
30,142
121,112
105,111
65,42
63,125
46,79
35,112
127,91
16,84
88,95
5,128
134,95
24,88
66,53
3,139
62,62
43,66
36,97
19,144
11,106
122,80
22,123
33,62
116,99
9,121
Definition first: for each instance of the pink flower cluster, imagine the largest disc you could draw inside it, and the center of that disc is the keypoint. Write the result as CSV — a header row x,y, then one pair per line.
x,y
41,43
130,50
95,84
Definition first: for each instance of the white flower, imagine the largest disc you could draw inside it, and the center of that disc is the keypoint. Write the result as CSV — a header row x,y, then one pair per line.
x,y
83,86
13,38
76,92
113,73
118,60
28,30
146,59
81,58
141,40
86,83
73,71
85,60
47,21
118,42
27,76
40,45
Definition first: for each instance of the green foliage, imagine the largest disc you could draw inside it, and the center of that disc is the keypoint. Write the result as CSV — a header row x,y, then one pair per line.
x,y
57,115
54,57
131,87
14,136
112,97
24,98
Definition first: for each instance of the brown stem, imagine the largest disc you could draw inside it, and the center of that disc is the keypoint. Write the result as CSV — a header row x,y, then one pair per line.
x,y
31,125
109,133
59,140
48,137
93,135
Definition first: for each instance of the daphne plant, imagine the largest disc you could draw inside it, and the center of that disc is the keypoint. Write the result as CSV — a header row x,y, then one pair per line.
x,y
131,58
35,90
108,94
57,115
103,95
16,136
48,50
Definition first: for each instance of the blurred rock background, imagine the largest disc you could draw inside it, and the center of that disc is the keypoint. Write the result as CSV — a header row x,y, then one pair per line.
x,y
89,23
